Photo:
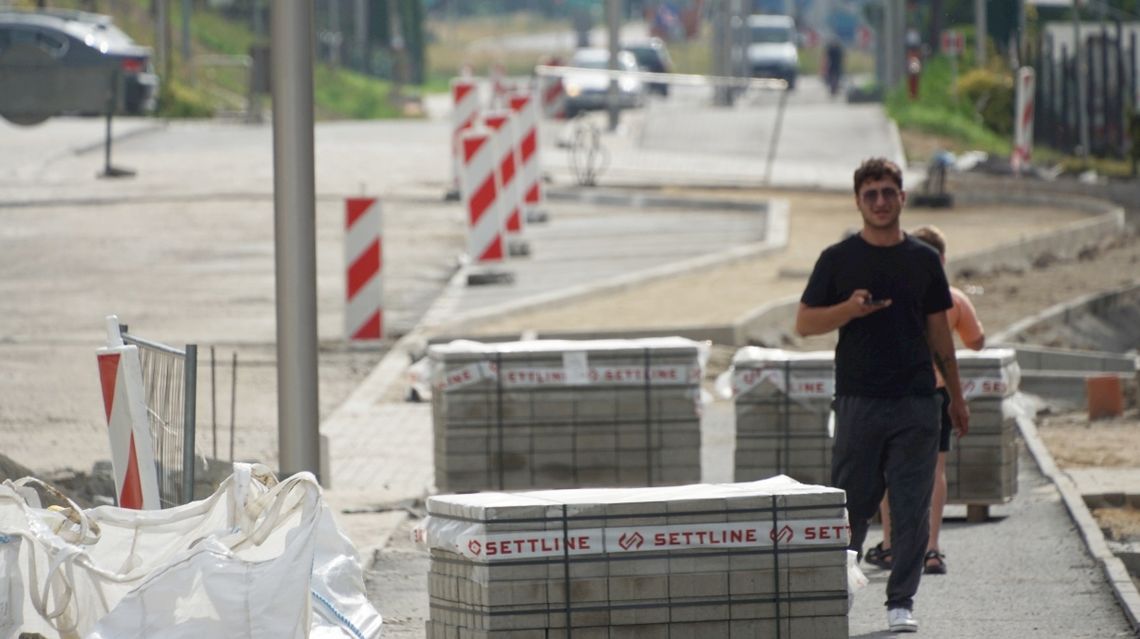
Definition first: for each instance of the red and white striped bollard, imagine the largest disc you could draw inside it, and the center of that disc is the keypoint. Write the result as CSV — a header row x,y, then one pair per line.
x,y
128,424
364,262
526,108
479,185
504,124
464,113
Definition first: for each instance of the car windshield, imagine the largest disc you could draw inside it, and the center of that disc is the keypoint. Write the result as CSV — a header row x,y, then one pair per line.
x,y
601,60
771,35
646,57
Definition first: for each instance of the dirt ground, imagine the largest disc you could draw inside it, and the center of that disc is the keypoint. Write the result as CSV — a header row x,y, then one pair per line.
x,y
1076,442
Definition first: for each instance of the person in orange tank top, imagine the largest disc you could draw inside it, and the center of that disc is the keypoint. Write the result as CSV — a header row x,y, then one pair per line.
x,y
963,320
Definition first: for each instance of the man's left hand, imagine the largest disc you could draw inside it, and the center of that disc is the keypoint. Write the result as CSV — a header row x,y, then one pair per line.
x,y
960,416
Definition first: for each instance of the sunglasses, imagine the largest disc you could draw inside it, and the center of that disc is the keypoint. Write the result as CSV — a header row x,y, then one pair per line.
x,y
888,193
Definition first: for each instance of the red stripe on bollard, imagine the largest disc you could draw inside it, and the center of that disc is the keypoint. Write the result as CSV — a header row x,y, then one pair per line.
x,y
363,269
132,496
108,372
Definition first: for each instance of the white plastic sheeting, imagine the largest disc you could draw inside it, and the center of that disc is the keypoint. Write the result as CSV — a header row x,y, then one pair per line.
x,y
257,559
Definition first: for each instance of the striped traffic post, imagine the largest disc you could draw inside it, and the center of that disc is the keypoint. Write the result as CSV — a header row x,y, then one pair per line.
x,y
364,260
552,92
464,113
481,201
525,107
502,124
1023,120
128,425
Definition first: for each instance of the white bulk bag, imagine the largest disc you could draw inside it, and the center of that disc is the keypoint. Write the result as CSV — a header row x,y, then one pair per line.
x,y
257,559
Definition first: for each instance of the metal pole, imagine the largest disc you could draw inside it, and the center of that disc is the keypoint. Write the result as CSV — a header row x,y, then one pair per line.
x,y
186,9
980,33
256,19
613,30
890,45
1082,87
214,402
294,203
162,45
360,40
233,402
775,143
189,419
334,33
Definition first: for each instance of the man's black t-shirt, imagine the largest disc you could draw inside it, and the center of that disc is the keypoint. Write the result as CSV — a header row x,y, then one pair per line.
x,y
884,354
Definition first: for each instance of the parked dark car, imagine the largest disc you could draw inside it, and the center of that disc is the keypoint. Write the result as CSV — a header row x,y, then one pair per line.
x,y
652,56
45,55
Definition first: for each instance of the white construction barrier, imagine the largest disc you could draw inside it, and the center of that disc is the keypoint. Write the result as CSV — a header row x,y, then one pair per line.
x,y
257,558
480,192
505,139
464,113
1023,120
128,427
363,262
525,107
552,92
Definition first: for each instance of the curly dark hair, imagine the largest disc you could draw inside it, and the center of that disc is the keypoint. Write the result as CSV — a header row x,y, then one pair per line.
x,y
873,169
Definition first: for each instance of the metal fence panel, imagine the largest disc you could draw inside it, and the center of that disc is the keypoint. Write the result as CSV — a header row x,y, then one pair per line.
x,y
170,382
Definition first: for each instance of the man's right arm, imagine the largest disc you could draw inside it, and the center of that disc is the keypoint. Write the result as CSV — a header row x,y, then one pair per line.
x,y
817,320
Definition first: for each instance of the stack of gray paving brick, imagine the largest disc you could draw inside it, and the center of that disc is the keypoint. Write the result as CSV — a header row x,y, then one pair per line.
x,y
783,407
761,559
566,414
981,468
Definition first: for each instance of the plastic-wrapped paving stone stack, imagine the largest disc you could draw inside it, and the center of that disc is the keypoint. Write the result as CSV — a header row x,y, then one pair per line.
x,y
566,414
783,406
760,559
981,468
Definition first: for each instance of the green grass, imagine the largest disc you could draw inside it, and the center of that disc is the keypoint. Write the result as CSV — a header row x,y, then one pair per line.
x,y
346,94
453,45
938,112
338,93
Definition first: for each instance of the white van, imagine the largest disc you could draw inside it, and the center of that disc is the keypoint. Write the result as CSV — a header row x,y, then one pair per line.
x,y
772,51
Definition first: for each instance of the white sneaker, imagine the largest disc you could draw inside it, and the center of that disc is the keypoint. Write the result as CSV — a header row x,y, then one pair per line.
x,y
901,620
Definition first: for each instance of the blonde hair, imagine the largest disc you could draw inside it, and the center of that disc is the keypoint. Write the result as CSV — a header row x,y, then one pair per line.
x,y
932,236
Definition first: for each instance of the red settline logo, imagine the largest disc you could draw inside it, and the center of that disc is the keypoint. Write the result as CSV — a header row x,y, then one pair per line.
x,y
783,535
475,547
628,541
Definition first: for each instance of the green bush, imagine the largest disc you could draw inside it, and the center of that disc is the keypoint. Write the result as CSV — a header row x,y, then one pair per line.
x,y
176,100
992,95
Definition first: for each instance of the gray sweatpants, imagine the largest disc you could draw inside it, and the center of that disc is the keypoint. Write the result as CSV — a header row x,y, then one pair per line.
x,y
881,444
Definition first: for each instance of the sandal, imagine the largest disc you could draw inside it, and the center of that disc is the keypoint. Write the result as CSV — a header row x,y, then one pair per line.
x,y
935,563
879,556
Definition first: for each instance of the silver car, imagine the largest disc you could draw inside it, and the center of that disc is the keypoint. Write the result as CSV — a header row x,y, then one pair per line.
x,y
587,84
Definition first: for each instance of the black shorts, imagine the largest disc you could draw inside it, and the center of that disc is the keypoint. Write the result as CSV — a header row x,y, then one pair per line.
x,y
947,425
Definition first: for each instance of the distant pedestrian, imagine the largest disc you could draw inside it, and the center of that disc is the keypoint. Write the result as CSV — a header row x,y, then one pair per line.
x,y
833,63
963,319
887,294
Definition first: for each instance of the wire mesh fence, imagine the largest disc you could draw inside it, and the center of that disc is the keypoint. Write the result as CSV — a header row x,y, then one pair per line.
x,y
170,384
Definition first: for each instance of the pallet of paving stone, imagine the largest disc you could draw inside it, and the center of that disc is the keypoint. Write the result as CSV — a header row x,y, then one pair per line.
x,y
557,413
981,468
683,560
783,405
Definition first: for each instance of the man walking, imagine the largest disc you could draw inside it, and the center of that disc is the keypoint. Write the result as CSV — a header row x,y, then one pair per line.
x,y
887,295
